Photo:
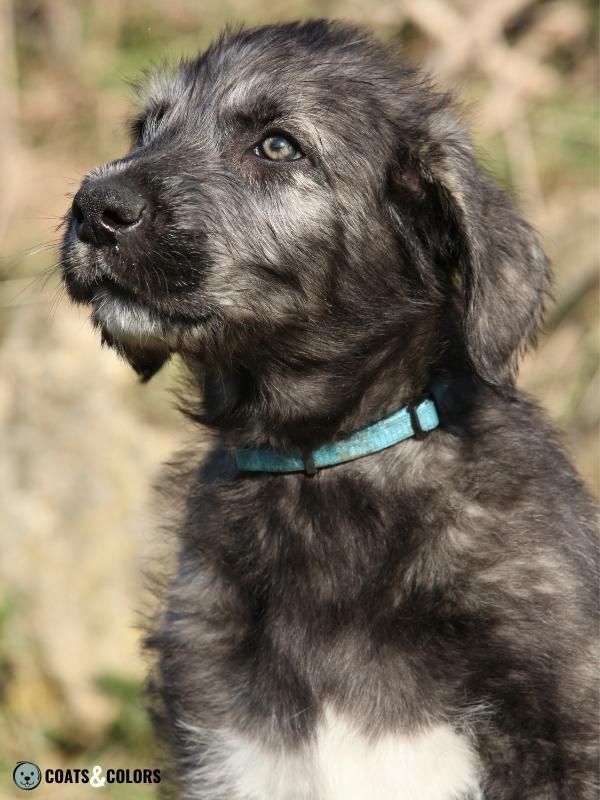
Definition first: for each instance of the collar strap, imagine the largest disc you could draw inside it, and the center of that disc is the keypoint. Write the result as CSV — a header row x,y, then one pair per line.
x,y
411,421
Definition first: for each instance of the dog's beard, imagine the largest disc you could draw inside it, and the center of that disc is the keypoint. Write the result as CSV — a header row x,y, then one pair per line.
x,y
135,331
127,319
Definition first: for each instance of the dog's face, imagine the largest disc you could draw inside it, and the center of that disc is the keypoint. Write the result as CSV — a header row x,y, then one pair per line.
x,y
295,194
257,172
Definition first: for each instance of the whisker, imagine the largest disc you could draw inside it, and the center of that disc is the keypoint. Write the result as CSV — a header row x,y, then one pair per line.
x,y
29,252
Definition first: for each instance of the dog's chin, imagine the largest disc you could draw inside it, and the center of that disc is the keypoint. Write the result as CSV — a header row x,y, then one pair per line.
x,y
138,333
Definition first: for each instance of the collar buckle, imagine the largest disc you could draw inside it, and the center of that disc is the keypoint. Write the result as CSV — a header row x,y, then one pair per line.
x,y
413,412
309,463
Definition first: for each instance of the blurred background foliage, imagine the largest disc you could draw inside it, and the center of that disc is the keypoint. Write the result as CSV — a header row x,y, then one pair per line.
x,y
82,442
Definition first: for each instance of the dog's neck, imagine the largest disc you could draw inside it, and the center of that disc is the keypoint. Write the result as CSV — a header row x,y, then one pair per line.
x,y
275,405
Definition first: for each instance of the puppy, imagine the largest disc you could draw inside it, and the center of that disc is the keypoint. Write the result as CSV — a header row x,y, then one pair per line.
x,y
386,582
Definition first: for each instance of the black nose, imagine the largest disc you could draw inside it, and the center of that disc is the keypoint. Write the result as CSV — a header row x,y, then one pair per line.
x,y
105,209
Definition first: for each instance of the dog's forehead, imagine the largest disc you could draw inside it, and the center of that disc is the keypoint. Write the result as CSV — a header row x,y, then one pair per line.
x,y
272,77
161,85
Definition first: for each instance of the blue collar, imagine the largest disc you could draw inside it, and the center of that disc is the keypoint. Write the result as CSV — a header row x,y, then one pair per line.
x,y
409,421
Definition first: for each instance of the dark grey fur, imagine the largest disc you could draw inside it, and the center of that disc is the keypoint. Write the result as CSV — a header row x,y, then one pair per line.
x,y
450,579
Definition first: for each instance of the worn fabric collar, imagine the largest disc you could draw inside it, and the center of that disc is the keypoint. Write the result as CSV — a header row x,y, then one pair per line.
x,y
408,422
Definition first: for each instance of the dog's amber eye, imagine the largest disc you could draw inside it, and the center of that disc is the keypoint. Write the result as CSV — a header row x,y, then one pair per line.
x,y
278,148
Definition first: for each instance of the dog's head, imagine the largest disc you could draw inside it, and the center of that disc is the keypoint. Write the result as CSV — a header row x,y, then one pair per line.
x,y
297,197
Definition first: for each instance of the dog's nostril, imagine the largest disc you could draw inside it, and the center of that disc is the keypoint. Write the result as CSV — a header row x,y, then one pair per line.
x,y
112,219
122,217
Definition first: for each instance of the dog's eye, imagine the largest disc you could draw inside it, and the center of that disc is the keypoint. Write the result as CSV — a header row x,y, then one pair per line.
x,y
148,122
137,128
159,115
278,148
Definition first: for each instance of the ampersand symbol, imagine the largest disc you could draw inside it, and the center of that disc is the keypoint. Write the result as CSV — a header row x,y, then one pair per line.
x,y
96,781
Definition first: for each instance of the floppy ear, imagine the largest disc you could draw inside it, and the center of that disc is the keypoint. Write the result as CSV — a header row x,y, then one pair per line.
x,y
505,273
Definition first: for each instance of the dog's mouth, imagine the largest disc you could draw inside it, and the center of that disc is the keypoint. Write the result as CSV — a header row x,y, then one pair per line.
x,y
145,336
124,317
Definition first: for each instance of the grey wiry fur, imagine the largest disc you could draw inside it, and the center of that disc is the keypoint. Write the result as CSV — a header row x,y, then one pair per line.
x,y
442,588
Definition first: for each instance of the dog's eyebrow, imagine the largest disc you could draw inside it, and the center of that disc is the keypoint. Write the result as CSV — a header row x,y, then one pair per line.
x,y
262,111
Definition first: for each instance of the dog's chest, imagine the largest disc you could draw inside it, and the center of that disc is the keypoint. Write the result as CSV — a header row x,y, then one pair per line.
x,y
341,764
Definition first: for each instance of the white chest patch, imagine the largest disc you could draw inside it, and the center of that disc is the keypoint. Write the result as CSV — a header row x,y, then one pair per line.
x,y
341,764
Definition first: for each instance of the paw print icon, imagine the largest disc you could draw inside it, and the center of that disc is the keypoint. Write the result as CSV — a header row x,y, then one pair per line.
x,y
27,775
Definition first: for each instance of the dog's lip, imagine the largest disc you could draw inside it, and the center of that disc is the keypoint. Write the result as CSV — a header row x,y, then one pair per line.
x,y
108,285
128,319
109,289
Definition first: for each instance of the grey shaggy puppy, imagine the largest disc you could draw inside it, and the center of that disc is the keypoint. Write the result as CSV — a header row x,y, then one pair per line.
x,y
301,218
